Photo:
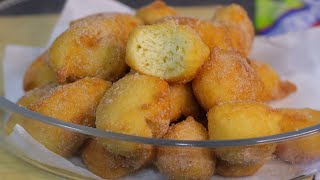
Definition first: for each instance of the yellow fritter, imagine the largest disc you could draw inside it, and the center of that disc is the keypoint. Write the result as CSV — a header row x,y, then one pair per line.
x,y
135,105
274,88
169,51
156,10
25,101
92,47
226,77
183,102
303,150
74,103
186,163
38,73
240,121
239,26
212,34
104,163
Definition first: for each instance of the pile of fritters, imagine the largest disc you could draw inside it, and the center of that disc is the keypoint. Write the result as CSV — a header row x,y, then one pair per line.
x,y
159,74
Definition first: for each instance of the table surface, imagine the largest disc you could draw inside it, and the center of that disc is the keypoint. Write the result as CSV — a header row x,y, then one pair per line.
x,y
34,30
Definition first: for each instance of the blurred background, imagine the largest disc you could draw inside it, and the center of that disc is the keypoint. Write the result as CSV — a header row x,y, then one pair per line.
x,y
270,17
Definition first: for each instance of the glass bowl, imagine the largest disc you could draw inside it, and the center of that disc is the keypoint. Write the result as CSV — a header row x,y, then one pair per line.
x,y
273,168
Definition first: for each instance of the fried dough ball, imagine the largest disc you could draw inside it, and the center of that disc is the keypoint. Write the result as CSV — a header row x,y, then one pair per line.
x,y
274,88
212,34
74,103
92,47
135,105
239,121
25,101
183,102
38,73
239,26
186,163
226,77
103,163
303,150
171,52
236,170
156,10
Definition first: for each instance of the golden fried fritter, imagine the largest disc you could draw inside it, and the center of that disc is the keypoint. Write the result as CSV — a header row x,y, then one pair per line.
x,y
169,51
25,101
226,169
240,121
226,77
92,47
38,73
214,35
183,102
274,88
74,103
238,24
304,150
135,105
156,10
104,163
186,163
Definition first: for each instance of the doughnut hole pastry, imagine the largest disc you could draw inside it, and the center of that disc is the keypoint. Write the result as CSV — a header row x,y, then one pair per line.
x,y
183,102
92,47
238,24
103,163
168,51
38,73
304,150
157,10
25,101
186,163
226,77
211,33
74,103
274,88
135,105
240,121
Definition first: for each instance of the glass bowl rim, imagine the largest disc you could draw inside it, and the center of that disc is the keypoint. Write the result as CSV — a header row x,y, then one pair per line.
x,y
7,105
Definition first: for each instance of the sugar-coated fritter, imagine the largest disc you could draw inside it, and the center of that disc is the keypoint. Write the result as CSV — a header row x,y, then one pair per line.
x,y
240,121
183,102
186,163
274,88
38,73
238,24
169,51
103,163
135,105
157,10
226,77
25,101
74,103
303,150
214,35
92,47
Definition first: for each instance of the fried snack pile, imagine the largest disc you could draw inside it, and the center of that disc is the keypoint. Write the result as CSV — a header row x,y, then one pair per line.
x,y
162,75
